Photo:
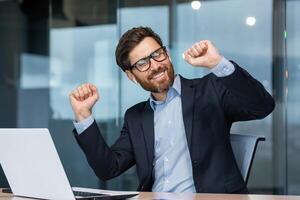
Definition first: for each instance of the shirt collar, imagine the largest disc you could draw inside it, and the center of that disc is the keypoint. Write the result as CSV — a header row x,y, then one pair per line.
x,y
174,91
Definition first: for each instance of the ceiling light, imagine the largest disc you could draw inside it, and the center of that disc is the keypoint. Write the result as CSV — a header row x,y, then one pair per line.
x,y
196,5
250,21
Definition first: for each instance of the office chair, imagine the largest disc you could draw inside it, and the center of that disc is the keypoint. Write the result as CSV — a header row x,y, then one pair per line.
x,y
244,147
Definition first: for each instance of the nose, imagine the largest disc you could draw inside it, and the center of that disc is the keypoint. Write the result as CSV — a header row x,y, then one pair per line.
x,y
154,65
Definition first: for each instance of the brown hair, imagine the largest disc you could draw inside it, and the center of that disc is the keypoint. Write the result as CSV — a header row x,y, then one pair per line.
x,y
131,39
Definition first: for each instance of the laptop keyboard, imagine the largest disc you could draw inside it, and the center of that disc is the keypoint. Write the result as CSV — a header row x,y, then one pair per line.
x,y
98,196
88,194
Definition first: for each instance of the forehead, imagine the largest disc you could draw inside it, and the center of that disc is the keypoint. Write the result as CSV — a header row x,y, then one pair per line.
x,y
143,49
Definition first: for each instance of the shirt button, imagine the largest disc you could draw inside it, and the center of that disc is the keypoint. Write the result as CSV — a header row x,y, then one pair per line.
x,y
167,181
166,159
169,122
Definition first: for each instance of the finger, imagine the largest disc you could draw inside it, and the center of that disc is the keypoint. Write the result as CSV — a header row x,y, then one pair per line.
x,y
81,93
85,91
76,95
89,89
210,45
203,45
198,48
190,52
94,90
72,96
187,57
196,51
208,42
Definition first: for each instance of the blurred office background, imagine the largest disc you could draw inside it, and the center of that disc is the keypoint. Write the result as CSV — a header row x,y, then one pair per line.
x,y
47,48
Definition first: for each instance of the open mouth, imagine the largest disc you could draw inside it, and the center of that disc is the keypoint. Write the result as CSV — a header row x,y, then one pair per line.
x,y
158,76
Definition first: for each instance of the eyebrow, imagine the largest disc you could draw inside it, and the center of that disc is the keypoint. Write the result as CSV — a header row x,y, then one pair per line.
x,y
147,56
132,65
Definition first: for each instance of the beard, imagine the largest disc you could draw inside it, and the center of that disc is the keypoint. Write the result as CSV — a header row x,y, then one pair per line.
x,y
159,80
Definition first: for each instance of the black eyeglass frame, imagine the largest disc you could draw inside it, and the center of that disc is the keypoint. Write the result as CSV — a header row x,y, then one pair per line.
x,y
147,58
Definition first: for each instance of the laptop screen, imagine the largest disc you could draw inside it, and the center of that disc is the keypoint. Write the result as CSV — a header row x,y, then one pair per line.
x,y
33,169
31,164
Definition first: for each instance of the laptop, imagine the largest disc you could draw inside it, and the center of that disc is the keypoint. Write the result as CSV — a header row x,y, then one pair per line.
x,y
33,168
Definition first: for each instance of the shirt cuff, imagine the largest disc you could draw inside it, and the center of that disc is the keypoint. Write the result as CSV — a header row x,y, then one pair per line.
x,y
84,124
224,68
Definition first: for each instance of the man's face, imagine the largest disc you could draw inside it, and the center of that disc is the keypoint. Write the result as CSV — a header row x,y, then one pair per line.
x,y
160,75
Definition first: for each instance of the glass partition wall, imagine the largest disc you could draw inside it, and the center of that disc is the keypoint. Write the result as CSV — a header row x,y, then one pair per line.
x,y
52,47
293,95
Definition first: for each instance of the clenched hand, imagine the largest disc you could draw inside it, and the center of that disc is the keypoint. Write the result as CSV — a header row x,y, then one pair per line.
x,y
203,53
82,100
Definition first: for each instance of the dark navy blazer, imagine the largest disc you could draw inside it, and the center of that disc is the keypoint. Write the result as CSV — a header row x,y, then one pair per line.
x,y
209,107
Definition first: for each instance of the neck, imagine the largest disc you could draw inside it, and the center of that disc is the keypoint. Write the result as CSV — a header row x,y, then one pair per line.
x,y
160,96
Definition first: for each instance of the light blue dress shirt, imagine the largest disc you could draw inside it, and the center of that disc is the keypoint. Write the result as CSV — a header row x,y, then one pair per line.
x,y
172,163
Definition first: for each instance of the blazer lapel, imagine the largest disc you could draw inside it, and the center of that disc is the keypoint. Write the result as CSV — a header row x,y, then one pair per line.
x,y
148,128
187,101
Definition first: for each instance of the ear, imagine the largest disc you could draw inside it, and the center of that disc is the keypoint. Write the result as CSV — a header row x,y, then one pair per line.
x,y
130,75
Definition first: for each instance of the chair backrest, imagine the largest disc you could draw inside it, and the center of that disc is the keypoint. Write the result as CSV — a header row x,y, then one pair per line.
x,y
244,147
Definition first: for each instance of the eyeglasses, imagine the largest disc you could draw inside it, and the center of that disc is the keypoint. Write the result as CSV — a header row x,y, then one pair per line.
x,y
158,55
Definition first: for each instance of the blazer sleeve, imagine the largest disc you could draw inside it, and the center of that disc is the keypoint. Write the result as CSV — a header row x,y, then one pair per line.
x,y
107,162
242,97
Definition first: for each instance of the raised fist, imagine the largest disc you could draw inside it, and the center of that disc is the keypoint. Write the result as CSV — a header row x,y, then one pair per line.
x,y
82,100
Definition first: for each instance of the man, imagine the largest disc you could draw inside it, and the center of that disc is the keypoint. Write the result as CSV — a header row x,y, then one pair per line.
x,y
179,138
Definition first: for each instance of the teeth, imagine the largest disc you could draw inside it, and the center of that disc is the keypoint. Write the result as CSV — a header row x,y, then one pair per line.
x,y
158,75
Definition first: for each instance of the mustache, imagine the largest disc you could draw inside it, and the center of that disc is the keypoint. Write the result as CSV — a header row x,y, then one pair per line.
x,y
158,71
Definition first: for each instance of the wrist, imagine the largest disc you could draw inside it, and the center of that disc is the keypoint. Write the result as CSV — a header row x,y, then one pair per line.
x,y
82,114
215,61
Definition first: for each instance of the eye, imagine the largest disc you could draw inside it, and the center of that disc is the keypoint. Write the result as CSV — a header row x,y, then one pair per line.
x,y
141,62
156,54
